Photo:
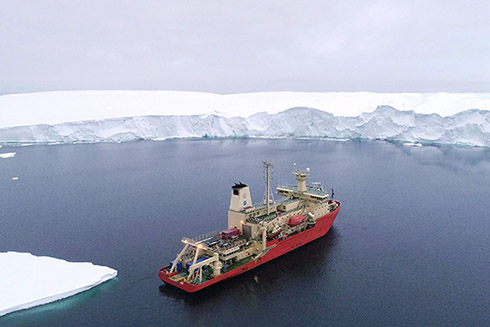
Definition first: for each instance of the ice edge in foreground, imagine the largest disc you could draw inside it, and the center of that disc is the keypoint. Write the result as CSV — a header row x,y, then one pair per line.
x,y
20,290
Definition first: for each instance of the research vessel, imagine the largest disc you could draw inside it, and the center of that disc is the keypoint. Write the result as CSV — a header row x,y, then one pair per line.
x,y
255,234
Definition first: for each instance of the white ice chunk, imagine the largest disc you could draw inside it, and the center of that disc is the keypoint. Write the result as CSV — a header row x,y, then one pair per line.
x,y
15,178
412,144
27,281
7,155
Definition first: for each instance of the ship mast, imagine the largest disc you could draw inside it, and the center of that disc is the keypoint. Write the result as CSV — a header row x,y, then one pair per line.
x,y
268,197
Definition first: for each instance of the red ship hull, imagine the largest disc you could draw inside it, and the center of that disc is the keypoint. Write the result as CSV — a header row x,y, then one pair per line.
x,y
321,228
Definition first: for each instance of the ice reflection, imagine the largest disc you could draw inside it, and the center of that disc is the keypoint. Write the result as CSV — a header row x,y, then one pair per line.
x,y
466,160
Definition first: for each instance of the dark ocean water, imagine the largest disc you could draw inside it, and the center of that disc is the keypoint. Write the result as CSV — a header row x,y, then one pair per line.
x,y
410,247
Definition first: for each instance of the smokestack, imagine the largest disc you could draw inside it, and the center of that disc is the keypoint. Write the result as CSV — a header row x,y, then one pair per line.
x,y
240,197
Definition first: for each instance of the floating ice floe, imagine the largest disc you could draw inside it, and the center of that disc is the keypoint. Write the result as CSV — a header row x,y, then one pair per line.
x,y
15,178
7,155
27,281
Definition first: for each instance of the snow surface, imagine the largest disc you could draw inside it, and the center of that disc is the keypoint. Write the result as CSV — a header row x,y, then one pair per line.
x,y
7,155
27,280
69,106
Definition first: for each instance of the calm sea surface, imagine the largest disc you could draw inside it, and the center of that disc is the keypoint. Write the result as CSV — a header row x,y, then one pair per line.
x,y
410,247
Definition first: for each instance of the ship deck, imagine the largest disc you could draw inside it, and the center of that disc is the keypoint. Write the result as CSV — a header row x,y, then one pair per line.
x,y
273,214
313,190
207,274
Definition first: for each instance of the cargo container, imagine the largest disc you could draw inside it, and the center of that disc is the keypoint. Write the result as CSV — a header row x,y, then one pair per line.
x,y
179,265
230,233
189,264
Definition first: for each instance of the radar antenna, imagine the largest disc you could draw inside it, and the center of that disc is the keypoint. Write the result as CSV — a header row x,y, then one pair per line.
x,y
301,177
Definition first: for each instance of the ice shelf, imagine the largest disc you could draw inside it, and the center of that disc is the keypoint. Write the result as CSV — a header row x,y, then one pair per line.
x,y
27,280
121,116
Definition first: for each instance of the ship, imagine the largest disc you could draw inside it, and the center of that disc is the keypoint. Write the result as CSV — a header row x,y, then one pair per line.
x,y
255,234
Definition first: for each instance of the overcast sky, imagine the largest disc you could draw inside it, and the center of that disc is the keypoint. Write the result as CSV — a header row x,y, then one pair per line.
x,y
245,46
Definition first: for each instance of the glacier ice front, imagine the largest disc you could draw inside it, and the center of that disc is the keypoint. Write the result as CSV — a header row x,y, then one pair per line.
x,y
27,281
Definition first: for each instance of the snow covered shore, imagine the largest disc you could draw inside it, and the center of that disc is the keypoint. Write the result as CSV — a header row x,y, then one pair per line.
x,y
27,281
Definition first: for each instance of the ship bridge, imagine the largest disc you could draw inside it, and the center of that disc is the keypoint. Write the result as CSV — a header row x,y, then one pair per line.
x,y
311,192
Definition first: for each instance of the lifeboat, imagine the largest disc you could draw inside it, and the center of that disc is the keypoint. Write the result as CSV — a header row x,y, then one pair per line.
x,y
296,220
274,232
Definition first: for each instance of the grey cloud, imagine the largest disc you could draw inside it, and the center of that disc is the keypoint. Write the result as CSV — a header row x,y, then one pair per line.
x,y
245,46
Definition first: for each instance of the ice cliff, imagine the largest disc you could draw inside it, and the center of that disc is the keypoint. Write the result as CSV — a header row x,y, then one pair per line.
x,y
191,114
470,127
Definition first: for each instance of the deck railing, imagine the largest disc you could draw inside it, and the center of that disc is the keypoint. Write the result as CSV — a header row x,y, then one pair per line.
x,y
235,244
206,236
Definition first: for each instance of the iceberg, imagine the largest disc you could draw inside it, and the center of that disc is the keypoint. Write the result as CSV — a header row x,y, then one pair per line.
x,y
27,281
